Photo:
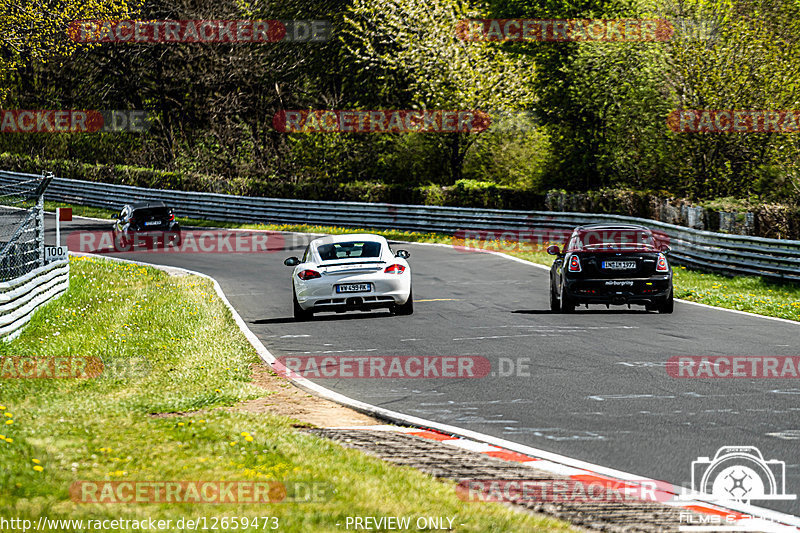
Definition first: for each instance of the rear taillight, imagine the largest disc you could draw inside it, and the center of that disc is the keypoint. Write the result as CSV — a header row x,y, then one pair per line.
x,y
574,264
306,275
661,264
395,269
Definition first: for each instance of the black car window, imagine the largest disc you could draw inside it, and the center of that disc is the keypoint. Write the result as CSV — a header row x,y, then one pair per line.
x,y
345,250
150,213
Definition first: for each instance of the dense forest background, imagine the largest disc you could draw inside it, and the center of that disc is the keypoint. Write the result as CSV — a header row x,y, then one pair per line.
x,y
569,116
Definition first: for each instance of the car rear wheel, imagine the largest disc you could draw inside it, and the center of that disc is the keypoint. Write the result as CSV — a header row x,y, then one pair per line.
x,y
555,306
667,305
567,305
300,314
406,308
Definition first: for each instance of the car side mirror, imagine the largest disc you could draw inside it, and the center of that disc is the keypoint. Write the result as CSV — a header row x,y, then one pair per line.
x,y
553,250
402,253
665,249
292,261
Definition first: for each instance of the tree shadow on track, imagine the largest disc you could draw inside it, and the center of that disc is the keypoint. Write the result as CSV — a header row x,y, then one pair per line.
x,y
321,318
584,311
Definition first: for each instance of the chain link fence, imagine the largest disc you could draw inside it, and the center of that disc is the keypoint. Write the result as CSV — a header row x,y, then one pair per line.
x,y
22,226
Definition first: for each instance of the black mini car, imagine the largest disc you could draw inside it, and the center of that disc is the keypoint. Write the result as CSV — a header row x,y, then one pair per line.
x,y
146,223
611,264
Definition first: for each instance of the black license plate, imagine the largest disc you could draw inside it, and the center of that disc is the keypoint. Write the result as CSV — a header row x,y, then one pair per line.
x,y
619,265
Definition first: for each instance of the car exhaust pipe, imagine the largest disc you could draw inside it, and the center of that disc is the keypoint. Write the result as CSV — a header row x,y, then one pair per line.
x,y
355,301
618,300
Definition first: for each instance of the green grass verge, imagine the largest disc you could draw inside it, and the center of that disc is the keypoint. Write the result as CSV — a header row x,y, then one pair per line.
x,y
744,293
58,431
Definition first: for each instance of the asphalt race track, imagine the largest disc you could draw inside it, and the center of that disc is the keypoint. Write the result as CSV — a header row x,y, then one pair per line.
x,y
597,388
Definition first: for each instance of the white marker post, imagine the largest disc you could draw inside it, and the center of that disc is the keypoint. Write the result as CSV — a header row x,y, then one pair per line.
x,y
58,252
58,226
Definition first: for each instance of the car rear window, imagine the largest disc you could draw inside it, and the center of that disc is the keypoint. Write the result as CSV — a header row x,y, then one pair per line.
x,y
151,212
632,238
345,250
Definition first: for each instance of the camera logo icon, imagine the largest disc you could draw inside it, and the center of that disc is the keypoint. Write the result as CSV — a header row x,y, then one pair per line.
x,y
740,473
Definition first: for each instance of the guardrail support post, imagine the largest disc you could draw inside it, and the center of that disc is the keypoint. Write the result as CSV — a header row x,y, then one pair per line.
x,y
40,228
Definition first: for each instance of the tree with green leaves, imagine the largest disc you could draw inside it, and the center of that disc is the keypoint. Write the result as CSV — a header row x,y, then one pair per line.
x,y
37,30
417,42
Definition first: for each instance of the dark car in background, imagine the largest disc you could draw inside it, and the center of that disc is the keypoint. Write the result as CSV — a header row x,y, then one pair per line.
x,y
611,265
146,223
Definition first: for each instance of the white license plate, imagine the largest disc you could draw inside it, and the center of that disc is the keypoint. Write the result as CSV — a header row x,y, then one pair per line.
x,y
619,265
354,287
152,223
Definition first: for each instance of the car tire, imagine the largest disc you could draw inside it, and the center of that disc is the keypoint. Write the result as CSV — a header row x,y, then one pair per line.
x,y
667,305
567,305
300,314
406,308
122,243
555,305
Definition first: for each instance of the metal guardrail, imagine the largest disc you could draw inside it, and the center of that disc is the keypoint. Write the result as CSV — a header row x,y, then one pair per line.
x,y
22,226
730,254
20,297
26,280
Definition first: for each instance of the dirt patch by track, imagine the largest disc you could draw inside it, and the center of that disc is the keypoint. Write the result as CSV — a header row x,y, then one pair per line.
x,y
309,410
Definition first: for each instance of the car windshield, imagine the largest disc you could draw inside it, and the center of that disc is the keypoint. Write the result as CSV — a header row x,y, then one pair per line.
x,y
346,250
625,239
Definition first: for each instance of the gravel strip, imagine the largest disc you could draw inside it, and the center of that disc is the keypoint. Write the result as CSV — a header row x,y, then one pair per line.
x,y
448,462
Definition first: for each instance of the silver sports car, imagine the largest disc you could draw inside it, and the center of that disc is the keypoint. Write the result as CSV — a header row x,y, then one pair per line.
x,y
350,272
